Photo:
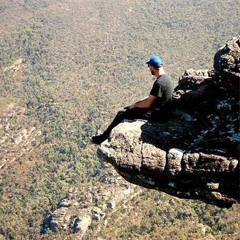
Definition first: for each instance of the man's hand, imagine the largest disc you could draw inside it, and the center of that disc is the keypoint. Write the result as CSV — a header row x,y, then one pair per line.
x,y
129,107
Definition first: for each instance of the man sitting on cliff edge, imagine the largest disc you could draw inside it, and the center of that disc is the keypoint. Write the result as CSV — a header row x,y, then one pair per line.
x,y
154,108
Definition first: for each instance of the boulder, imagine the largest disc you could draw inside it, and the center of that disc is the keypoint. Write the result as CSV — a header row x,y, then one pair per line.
x,y
195,153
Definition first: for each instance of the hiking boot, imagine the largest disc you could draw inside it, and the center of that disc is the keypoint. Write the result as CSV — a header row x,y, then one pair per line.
x,y
99,139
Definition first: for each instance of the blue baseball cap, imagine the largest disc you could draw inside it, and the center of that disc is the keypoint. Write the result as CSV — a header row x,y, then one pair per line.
x,y
155,61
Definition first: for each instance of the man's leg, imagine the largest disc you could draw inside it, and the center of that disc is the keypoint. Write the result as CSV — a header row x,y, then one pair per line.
x,y
130,114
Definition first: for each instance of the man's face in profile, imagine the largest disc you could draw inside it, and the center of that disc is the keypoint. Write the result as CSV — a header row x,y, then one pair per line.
x,y
151,70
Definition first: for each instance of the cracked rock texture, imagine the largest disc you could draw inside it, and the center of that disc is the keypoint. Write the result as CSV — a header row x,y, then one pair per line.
x,y
194,155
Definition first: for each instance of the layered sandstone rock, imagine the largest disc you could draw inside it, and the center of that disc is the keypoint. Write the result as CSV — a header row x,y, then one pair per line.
x,y
195,154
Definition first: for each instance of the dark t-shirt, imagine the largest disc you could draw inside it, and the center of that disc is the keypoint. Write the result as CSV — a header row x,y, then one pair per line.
x,y
163,89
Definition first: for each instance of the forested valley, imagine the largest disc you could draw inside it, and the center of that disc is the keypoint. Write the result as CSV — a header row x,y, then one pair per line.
x,y
66,68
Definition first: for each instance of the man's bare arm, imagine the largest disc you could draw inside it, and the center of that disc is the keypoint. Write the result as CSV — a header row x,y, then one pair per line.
x,y
146,103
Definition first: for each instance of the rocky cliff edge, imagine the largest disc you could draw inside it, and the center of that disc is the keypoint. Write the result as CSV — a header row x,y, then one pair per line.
x,y
195,154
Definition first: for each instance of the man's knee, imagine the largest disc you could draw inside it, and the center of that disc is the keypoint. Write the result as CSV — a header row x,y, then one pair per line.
x,y
126,114
120,114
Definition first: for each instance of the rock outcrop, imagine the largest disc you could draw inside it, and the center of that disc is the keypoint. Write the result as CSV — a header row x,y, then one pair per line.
x,y
195,154
79,210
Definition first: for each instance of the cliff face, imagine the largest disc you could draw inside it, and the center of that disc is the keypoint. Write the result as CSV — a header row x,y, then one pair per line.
x,y
195,154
